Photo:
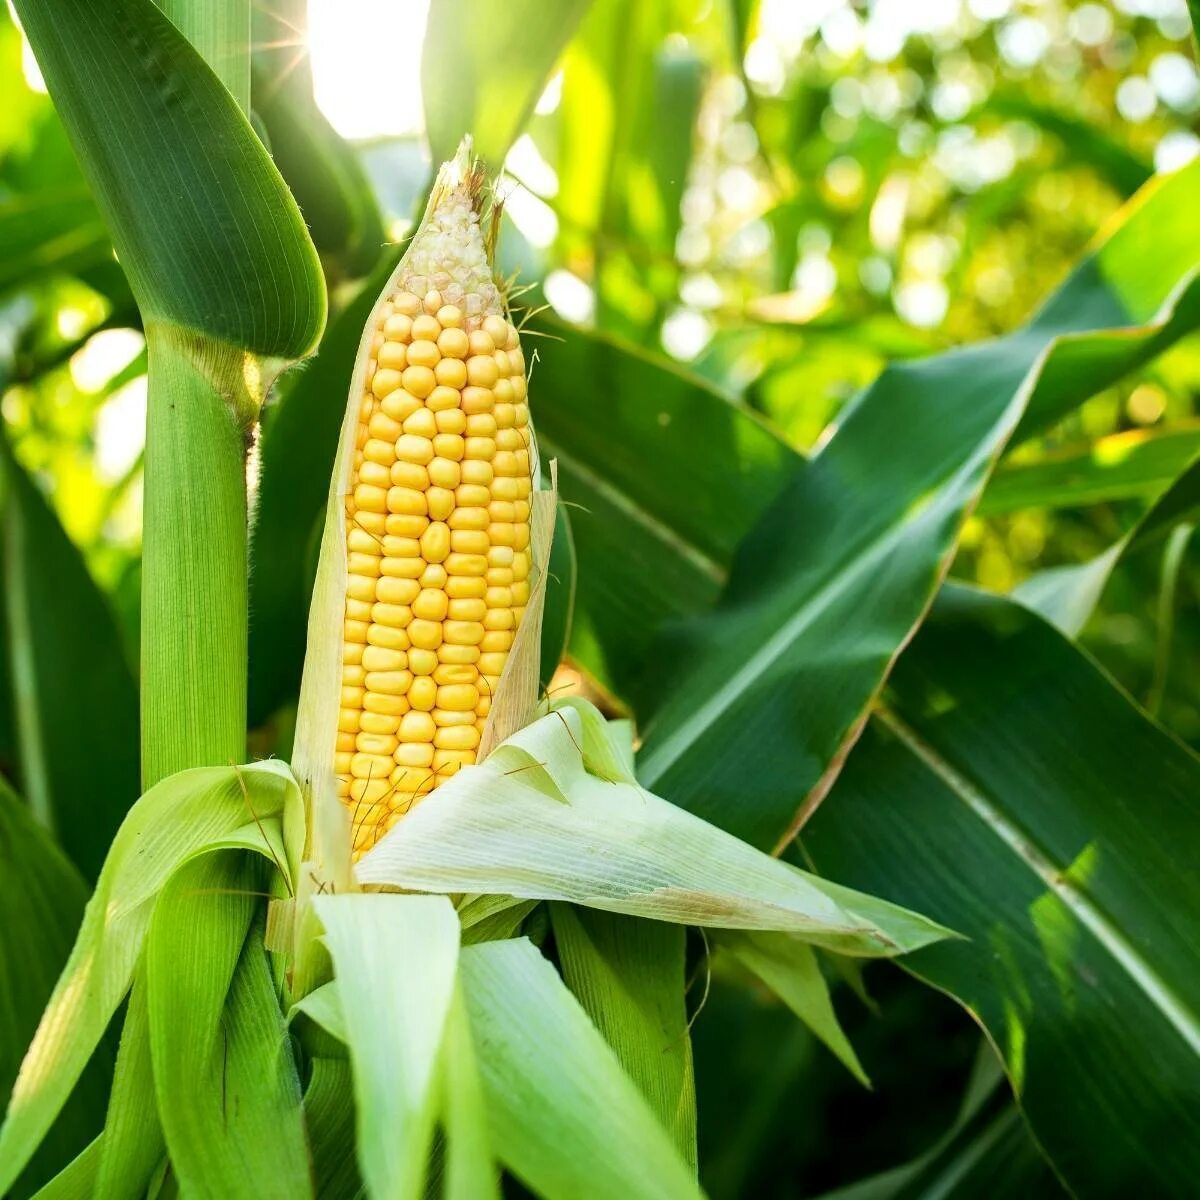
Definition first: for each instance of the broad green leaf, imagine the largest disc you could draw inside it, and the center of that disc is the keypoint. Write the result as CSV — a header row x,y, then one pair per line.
x,y
1084,141
470,1169
533,821
300,435
1067,596
628,974
329,1119
132,1145
75,700
202,223
791,970
626,126
394,1022
987,1151
1136,464
662,474
564,1117
185,815
52,230
1012,791
832,581
482,76
228,1093
41,903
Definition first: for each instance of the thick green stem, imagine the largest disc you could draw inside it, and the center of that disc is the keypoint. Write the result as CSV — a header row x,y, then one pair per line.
x,y
194,536
193,558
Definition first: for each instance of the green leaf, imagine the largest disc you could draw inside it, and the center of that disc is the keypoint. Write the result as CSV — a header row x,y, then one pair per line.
x,y
470,1172
393,1023
41,904
791,970
831,583
628,974
1067,596
1132,465
228,1093
1083,141
564,1117
202,223
329,1119
50,230
77,728
185,815
659,493
132,1145
77,1180
533,821
1012,791
483,76
987,1151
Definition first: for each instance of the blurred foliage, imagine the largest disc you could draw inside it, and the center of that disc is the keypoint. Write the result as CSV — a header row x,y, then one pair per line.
x,y
787,196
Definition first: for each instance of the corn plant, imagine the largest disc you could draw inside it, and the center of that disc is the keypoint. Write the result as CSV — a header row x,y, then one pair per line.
x,y
455,941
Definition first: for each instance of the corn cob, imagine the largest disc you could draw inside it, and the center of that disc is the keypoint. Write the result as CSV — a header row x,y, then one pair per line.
x,y
437,522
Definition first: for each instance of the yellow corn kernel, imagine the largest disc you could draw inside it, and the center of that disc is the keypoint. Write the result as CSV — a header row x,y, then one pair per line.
x,y
431,605
451,420
469,541
414,754
441,503
398,328
400,405
420,381
417,727
457,655
457,737
393,355
452,673
458,697
422,695
373,722
405,524
425,635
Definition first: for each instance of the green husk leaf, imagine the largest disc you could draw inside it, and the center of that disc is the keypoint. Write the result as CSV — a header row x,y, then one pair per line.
x,y
628,974
531,821
132,1145
77,1180
470,1168
564,1117
329,1118
218,1038
791,970
562,572
393,1022
256,807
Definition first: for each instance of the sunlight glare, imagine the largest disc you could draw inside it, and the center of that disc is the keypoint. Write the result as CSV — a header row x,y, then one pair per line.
x,y
366,63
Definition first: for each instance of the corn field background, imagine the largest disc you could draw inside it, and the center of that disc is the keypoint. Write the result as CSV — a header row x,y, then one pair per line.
x,y
862,338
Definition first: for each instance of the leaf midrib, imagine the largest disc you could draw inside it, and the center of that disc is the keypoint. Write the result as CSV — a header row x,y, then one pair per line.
x,y
1056,878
